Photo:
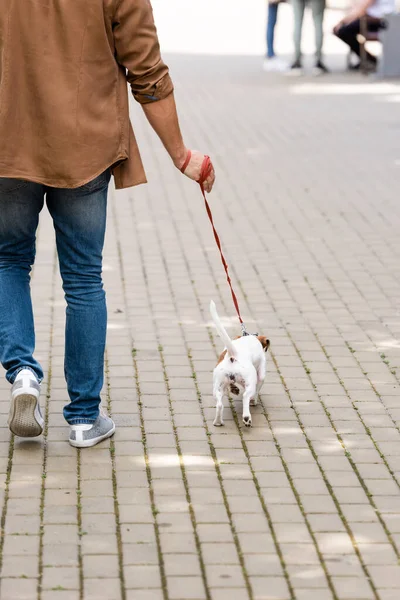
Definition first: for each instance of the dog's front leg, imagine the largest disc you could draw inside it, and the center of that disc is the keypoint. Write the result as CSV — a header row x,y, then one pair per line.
x,y
218,396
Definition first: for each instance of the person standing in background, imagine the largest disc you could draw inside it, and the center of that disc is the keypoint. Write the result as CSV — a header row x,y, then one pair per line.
x,y
318,10
273,62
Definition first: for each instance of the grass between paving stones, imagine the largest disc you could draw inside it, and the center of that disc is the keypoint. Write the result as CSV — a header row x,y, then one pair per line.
x,y
140,407
81,533
44,474
151,490
386,361
115,488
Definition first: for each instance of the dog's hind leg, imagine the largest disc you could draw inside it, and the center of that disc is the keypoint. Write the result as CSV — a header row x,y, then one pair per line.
x,y
218,395
261,372
248,397
254,401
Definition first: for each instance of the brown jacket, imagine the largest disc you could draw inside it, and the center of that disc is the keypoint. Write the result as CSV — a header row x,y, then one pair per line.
x,y
64,67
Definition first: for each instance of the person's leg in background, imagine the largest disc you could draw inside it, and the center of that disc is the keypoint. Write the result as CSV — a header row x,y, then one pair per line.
x,y
272,62
271,23
318,11
79,217
20,205
298,16
348,34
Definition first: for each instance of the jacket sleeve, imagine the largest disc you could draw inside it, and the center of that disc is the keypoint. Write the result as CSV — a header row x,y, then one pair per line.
x,y
138,51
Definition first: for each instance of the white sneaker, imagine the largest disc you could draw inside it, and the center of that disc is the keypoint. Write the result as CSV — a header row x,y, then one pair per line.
x,y
25,417
275,65
88,435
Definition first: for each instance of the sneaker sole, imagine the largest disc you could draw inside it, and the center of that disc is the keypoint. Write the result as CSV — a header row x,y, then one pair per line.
x,y
22,418
94,441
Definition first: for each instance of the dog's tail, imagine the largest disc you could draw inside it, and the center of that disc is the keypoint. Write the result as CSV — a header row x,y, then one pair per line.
x,y
221,330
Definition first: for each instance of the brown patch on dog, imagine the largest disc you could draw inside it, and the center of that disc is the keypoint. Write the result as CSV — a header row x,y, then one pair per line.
x,y
223,354
221,357
235,390
264,342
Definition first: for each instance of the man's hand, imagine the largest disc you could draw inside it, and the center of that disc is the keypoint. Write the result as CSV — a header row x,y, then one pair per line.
x,y
193,170
163,118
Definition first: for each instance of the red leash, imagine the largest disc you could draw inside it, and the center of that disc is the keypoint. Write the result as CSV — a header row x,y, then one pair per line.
x,y
206,169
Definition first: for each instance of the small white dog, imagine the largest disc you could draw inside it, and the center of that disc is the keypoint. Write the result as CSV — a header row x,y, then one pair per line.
x,y
241,369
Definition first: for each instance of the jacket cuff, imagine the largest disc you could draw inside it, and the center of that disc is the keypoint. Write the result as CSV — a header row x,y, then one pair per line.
x,y
163,88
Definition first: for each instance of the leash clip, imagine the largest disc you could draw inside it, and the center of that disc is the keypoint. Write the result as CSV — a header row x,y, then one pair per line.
x,y
245,332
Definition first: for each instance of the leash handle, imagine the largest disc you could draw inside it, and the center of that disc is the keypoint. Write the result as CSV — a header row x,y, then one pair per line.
x,y
206,169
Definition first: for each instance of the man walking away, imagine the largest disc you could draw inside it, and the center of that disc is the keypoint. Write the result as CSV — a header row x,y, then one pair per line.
x,y
64,131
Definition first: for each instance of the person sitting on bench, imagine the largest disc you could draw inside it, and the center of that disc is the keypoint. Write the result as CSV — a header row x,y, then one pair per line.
x,y
349,27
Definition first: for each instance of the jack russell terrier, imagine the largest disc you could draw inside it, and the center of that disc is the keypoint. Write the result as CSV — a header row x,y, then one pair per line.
x,y
241,369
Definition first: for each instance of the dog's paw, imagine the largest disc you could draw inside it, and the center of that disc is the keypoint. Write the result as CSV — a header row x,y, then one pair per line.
x,y
247,421
218,423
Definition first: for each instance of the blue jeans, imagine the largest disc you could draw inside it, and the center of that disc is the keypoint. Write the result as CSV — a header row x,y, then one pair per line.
x,y
79,218
272,18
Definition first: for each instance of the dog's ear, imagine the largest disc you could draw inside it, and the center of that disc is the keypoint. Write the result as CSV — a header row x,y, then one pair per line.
x,y
264,342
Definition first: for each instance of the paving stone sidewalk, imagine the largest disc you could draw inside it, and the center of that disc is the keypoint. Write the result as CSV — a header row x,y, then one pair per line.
x,y
306,504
